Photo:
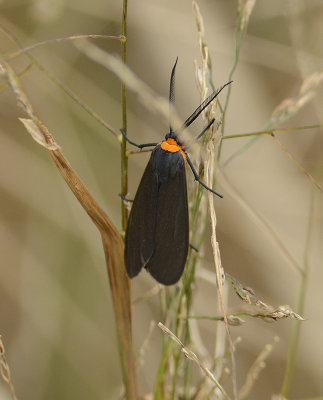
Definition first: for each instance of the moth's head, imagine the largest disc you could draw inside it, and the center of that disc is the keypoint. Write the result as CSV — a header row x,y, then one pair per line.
x,y
173,135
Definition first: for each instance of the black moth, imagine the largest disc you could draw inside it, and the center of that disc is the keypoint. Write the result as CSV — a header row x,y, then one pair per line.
x,y
157,236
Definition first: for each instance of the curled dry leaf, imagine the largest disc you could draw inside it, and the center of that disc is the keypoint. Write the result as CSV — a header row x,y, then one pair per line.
x,y
37,135
234,320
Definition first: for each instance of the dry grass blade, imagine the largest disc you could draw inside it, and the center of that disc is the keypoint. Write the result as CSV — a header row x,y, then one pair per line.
x,y
246,294
291,105
5,370
285,110
192,356
269,314
209,163
62,39
255,369
112,243
245,8
206,62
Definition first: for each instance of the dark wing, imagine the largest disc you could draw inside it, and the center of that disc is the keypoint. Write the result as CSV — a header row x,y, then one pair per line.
x,y
167,262
139,240
157,232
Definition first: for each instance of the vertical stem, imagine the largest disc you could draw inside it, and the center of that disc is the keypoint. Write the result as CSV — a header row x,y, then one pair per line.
x,y
129,375
124,156
296,326
238,40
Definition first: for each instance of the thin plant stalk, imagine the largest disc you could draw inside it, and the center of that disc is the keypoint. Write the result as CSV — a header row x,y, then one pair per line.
x,y
271,131
124,156
289,155
124,167
238,37
58,40
300,307
173,304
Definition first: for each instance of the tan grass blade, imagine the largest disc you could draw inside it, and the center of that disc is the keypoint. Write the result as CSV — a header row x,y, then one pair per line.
x,y
112,242
5,370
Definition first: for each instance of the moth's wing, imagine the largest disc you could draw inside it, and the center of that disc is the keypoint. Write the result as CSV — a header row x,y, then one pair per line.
x,y
139,240
168,260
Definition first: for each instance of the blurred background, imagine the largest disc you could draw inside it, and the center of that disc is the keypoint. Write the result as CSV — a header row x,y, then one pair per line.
x,y
56,318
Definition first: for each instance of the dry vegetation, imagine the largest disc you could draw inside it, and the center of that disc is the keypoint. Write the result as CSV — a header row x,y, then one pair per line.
x,y
66,324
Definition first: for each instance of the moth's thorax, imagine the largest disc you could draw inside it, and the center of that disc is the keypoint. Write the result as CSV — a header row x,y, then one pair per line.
x,y
167,160
172,145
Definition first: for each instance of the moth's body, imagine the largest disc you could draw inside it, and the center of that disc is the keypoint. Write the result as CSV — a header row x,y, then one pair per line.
x,y
157,232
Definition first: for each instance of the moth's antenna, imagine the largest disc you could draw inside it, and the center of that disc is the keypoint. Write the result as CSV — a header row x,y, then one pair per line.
x,y
201,107
172,95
